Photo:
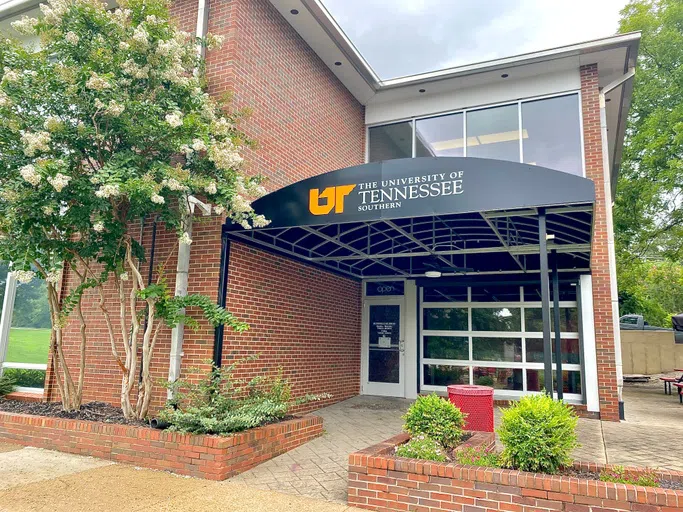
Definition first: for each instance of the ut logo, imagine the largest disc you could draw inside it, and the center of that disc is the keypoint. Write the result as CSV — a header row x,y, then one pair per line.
x,y
334,198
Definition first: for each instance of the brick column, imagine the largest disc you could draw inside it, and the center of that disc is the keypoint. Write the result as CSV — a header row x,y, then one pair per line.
x,y
602,304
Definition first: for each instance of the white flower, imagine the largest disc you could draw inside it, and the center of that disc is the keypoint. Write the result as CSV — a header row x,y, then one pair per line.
x,y
214,41
157,199
96,82
53,276
185,239
9,75
187,150
131,68
124,276
224,155
4,99
152,19
198,145
24,276
72,38
221,126
29,173
48,210
211,188
98,227
25,25
140,36
220,210
108,191
99,104
53,12
123,45
52,123
260,221
59,181
245,224
34,142
175,119
114,109
240,204
173,184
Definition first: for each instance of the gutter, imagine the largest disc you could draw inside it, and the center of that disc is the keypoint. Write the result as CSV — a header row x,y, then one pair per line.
x,y
611,254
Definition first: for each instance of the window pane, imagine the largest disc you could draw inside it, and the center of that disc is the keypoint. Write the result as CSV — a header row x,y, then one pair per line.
x,y
390,141
439,136
496,293
494,133
445,319
499,378
571,381
497,349
569,320
446,347
570,350
551,133
496,319
445,294
532,292
439,375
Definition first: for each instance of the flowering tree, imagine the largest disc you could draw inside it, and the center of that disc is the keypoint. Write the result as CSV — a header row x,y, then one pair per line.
x,y
106,123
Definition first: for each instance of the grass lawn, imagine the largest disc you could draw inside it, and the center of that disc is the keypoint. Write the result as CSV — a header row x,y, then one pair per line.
x,y
28,345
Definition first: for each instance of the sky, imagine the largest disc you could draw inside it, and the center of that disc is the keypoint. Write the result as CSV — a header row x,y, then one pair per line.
x,y
406,37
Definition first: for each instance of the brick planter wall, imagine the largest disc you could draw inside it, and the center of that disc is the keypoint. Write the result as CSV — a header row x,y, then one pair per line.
x,y
380,481
210,457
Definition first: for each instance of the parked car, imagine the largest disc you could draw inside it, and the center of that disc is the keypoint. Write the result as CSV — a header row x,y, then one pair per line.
x,y
677,321
637,323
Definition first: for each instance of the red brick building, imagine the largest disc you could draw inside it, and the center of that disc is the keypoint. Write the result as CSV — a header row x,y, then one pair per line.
x,y
473,234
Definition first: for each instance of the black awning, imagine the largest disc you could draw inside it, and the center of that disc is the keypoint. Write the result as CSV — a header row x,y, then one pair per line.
x,y
404,217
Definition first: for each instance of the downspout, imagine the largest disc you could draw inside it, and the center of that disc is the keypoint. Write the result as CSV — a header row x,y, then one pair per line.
x,y
187,204
611,253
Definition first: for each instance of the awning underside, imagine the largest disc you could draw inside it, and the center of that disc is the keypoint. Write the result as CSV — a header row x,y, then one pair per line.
x,y
474,243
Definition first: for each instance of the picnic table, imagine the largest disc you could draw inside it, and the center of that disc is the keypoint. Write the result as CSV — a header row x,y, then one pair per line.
x,y
669,381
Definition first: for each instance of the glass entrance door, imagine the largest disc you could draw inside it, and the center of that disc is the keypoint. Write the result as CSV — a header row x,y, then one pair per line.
x,y
383,348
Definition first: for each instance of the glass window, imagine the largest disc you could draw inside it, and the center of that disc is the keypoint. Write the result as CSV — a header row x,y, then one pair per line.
x,y
571,381
499,378
570,350
440,375
496,319
494,133
445,319
445,294
497,349
390,141
496,293
569,320
551,133
440,136
446,347
532,292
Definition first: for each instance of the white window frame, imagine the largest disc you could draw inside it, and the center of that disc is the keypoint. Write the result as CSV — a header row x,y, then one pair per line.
x,y
471,363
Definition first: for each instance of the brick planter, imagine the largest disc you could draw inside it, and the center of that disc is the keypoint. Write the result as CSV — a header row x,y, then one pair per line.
x,y
210,457
380,481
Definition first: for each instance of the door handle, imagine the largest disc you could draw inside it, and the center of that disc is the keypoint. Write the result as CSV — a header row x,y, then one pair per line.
x,y
402,346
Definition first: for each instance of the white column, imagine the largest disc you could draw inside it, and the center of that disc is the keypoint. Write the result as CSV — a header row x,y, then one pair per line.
x,y
410,339
590,360
6,316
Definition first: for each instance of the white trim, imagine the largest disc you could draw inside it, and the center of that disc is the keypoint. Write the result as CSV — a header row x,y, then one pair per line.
x,y
35,391
410,337
590,361
25,366
6,316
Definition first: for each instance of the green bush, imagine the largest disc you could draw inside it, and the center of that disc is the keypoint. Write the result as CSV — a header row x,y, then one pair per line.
x,y
478,457
220,404
7,384
26,378
436,418
618,475
422,447
538,434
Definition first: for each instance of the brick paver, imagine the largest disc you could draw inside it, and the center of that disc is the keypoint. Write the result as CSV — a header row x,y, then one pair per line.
x,y
650,437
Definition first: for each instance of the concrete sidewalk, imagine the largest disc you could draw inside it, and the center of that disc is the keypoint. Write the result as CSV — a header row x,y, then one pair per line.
x,y
41,480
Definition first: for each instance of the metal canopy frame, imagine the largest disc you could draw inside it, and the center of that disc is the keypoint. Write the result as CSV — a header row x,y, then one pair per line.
x,y
493,242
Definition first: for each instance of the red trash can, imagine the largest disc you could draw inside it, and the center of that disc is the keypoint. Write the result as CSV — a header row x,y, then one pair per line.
x,y
477,402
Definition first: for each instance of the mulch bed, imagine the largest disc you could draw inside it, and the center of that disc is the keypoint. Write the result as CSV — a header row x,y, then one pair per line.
x,y
593,475
92,411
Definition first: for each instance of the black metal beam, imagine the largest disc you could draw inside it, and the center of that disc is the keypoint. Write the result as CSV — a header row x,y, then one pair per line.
x,y
556,318
222,297
545,303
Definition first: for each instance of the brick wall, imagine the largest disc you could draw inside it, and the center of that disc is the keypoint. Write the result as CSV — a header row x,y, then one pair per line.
x,y
210,457
602,302
379,481
306,123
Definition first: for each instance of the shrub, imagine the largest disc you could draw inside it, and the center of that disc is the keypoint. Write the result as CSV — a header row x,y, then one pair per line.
x,y
422,447
436,418
478,457
538,434
26,378
220,404
618,474
7,385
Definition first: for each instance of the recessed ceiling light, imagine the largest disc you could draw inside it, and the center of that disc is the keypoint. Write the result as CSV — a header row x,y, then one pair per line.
x,y
504,75
433,274
294,11
423,90
337,63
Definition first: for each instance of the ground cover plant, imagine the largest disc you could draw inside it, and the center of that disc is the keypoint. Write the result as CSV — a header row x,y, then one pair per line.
x,y
422,447
219,403
619,475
